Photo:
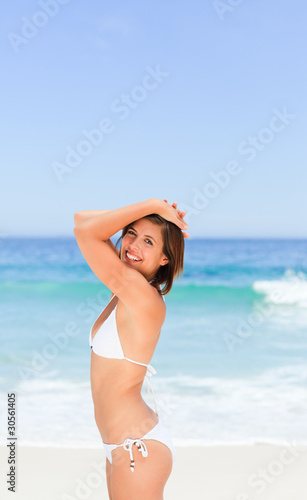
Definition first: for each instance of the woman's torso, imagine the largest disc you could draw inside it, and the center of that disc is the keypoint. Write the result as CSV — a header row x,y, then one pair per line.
x,y
116,384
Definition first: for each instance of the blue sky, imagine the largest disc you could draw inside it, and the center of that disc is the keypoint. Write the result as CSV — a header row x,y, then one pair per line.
x,y
200,102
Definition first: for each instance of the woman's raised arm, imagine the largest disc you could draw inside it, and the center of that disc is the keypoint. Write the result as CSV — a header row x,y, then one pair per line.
x,y
84,215
109,222
102,224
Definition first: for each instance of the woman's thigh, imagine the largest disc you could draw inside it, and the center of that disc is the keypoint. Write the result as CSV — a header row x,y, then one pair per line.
x,y
150,473
108,474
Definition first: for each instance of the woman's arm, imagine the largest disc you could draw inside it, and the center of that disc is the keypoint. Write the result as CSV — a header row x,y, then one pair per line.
x,y
102,224
84,215
109,222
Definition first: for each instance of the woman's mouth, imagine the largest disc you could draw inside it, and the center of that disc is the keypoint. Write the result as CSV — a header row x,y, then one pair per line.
x,y
131,258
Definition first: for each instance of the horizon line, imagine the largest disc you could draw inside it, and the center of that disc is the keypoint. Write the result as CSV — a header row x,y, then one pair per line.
x,y
5,236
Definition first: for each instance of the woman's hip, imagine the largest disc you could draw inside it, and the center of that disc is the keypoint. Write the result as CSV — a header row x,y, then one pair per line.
x,y
159,433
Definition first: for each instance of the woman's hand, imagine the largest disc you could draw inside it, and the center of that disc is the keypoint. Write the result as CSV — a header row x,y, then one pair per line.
x,y
173,214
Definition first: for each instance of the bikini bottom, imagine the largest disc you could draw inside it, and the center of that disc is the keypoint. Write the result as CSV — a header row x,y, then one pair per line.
x,y
158,433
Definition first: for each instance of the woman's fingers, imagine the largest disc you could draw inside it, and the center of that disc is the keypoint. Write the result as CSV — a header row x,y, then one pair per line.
x,y
175,206
180,215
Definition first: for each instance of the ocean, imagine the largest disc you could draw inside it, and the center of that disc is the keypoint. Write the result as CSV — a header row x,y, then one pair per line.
x,y
231,360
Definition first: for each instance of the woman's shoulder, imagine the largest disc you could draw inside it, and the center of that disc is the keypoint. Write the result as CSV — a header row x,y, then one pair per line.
x,y
149,305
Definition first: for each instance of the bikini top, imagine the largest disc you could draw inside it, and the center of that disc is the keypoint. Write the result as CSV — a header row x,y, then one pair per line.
x,y
106,343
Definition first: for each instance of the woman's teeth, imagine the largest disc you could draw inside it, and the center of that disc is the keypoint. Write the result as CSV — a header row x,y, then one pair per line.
x,y
131,257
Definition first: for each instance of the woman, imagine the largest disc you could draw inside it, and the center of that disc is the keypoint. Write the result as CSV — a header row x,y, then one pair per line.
x,y
124,337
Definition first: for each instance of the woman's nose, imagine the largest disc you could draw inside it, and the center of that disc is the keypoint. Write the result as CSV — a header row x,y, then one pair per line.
x,y
135,247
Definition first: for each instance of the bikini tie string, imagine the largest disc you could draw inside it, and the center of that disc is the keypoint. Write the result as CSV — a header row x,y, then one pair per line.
x,y
127,445
150,372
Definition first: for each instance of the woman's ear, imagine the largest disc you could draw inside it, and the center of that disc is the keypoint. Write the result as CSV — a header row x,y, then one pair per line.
x,y
164,260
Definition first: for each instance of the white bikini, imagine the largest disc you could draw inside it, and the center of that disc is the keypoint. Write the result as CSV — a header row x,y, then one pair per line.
x,y
106,343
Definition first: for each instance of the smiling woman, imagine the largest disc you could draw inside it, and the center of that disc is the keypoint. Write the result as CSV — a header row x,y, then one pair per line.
x,y
125,335
160,231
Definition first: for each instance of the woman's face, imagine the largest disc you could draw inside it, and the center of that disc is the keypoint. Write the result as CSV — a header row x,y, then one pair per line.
x,y
142,248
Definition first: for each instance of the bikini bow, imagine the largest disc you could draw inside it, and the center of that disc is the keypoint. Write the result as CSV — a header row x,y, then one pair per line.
x,y
127,445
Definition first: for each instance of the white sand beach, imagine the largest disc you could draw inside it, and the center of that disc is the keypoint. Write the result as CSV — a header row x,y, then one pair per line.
x,y
246,472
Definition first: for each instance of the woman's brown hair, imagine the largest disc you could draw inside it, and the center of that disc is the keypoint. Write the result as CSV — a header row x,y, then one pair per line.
x,y
173,248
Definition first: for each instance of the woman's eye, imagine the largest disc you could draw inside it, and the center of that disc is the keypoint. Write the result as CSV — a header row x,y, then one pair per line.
x,y
133,234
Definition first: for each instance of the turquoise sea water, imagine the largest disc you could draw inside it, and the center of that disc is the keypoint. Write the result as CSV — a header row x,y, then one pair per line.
x,y
231,359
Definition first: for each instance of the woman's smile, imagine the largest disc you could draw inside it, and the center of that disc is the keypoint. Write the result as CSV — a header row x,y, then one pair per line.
x,y
131,257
